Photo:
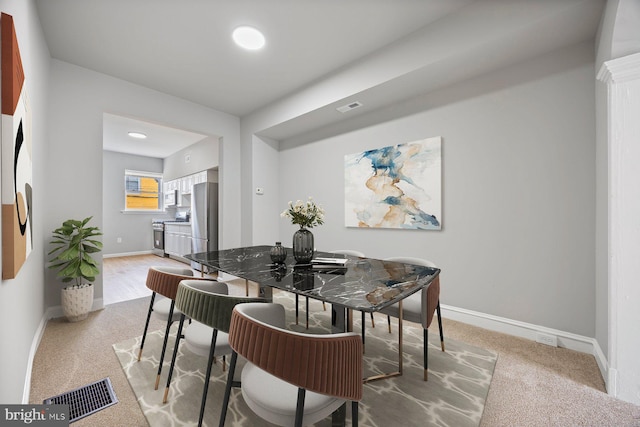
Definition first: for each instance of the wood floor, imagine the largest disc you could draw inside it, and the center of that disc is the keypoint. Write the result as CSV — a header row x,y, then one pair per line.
x,y
124,278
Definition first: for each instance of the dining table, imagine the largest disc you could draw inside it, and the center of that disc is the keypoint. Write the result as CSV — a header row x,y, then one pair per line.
x,y
346,282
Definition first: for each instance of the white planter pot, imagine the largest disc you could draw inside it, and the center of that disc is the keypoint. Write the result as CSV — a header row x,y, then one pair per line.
x,y
77,302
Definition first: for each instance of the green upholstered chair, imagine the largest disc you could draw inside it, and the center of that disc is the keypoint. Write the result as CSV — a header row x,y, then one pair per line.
x,y
292,378
209,306
419,307
163,282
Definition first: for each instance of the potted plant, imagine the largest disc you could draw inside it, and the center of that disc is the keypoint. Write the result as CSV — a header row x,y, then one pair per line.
x,y
73,245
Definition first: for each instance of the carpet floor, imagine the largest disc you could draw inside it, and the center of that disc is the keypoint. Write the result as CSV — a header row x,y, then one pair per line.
x,y
533,384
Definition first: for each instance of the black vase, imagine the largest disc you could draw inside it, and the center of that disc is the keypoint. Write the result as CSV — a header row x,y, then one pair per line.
x,y
303,245
278,253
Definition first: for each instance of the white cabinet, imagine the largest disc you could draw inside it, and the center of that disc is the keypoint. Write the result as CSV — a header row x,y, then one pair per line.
x,y
177,239
200,177
185,184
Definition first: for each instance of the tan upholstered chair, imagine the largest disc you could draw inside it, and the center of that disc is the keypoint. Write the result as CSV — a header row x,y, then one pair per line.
x,y
292,378
419,307
209,306
163,281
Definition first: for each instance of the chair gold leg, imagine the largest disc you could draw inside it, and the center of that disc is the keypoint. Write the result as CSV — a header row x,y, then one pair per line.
x,y
139,355
324,306
389,323
373,324
442,345
157,382
166,394
426,374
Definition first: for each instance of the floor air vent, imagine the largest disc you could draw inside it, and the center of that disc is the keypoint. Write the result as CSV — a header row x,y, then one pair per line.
x,y
86,400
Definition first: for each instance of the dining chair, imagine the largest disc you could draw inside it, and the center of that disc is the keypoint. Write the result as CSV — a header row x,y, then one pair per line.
x,y
419,307
291,378
209,307
163,281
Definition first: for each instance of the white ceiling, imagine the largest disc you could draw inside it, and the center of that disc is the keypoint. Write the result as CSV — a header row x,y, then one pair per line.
x,y
162,141
184,48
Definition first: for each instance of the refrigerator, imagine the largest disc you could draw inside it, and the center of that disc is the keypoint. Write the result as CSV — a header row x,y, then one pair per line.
x,y
204,219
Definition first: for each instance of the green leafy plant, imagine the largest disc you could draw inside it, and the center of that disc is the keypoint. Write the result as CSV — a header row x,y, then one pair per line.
x,y
73,243
305,214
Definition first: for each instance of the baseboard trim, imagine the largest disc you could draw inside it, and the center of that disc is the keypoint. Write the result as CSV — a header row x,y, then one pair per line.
x,y
35,343
529,331
127,254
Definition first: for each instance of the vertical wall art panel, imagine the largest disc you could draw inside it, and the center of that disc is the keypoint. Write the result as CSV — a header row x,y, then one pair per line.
x,y
16,156
395,187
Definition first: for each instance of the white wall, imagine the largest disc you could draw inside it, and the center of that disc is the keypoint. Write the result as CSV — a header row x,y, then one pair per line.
x,y
22,299
518,190
78,99
133,228
265,161
203,155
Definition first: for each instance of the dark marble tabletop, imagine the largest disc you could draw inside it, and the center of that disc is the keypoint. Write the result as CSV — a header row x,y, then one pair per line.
x,y
363,284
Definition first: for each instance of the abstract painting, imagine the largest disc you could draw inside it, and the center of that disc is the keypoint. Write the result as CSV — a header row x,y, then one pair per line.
x,y
17,156
395,187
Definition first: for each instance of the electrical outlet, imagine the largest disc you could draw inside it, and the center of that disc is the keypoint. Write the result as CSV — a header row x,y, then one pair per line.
x,y
119,240
547,339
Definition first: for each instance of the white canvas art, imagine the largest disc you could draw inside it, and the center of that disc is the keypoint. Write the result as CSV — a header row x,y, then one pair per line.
x,y
395,187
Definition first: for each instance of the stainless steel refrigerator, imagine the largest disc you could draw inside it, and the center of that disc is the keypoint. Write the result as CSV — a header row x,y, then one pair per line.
x,y
204,219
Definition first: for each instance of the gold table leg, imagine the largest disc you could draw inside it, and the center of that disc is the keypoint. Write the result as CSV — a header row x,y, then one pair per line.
x,y
399,371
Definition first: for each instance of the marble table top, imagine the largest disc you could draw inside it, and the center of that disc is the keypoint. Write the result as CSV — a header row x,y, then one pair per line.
x,y
363,284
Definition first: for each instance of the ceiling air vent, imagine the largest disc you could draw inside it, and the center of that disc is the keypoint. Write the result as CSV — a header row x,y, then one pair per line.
x,y
349,107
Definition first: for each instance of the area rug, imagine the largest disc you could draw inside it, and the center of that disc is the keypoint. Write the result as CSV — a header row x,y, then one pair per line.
x,y
454,395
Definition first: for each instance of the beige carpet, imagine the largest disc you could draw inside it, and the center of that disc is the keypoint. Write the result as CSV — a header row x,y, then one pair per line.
x,y
454,395
533,384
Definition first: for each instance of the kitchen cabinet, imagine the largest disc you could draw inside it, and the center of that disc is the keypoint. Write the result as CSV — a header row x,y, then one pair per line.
x,y
177,239
184,185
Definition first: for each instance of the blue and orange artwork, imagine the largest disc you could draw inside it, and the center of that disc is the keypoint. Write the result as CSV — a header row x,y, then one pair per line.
x,y
397,186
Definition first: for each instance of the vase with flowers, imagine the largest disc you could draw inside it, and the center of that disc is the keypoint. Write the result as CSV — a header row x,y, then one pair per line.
x,y
306,215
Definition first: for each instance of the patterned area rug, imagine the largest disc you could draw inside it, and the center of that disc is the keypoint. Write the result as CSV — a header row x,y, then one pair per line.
x,y
455,394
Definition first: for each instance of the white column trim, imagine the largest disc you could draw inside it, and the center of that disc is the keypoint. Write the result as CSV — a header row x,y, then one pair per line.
x,y
621,76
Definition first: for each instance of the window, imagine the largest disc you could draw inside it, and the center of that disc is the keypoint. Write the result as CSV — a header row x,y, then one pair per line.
x,y
143,191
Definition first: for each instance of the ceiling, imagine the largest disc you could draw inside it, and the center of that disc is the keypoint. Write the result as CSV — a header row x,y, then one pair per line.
x,y
161,141
185,48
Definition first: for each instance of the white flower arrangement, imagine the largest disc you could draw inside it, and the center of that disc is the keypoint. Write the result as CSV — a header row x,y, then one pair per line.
x,y
304,214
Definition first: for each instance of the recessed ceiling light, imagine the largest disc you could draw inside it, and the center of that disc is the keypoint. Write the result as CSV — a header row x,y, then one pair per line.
x,y
137,135
248,38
